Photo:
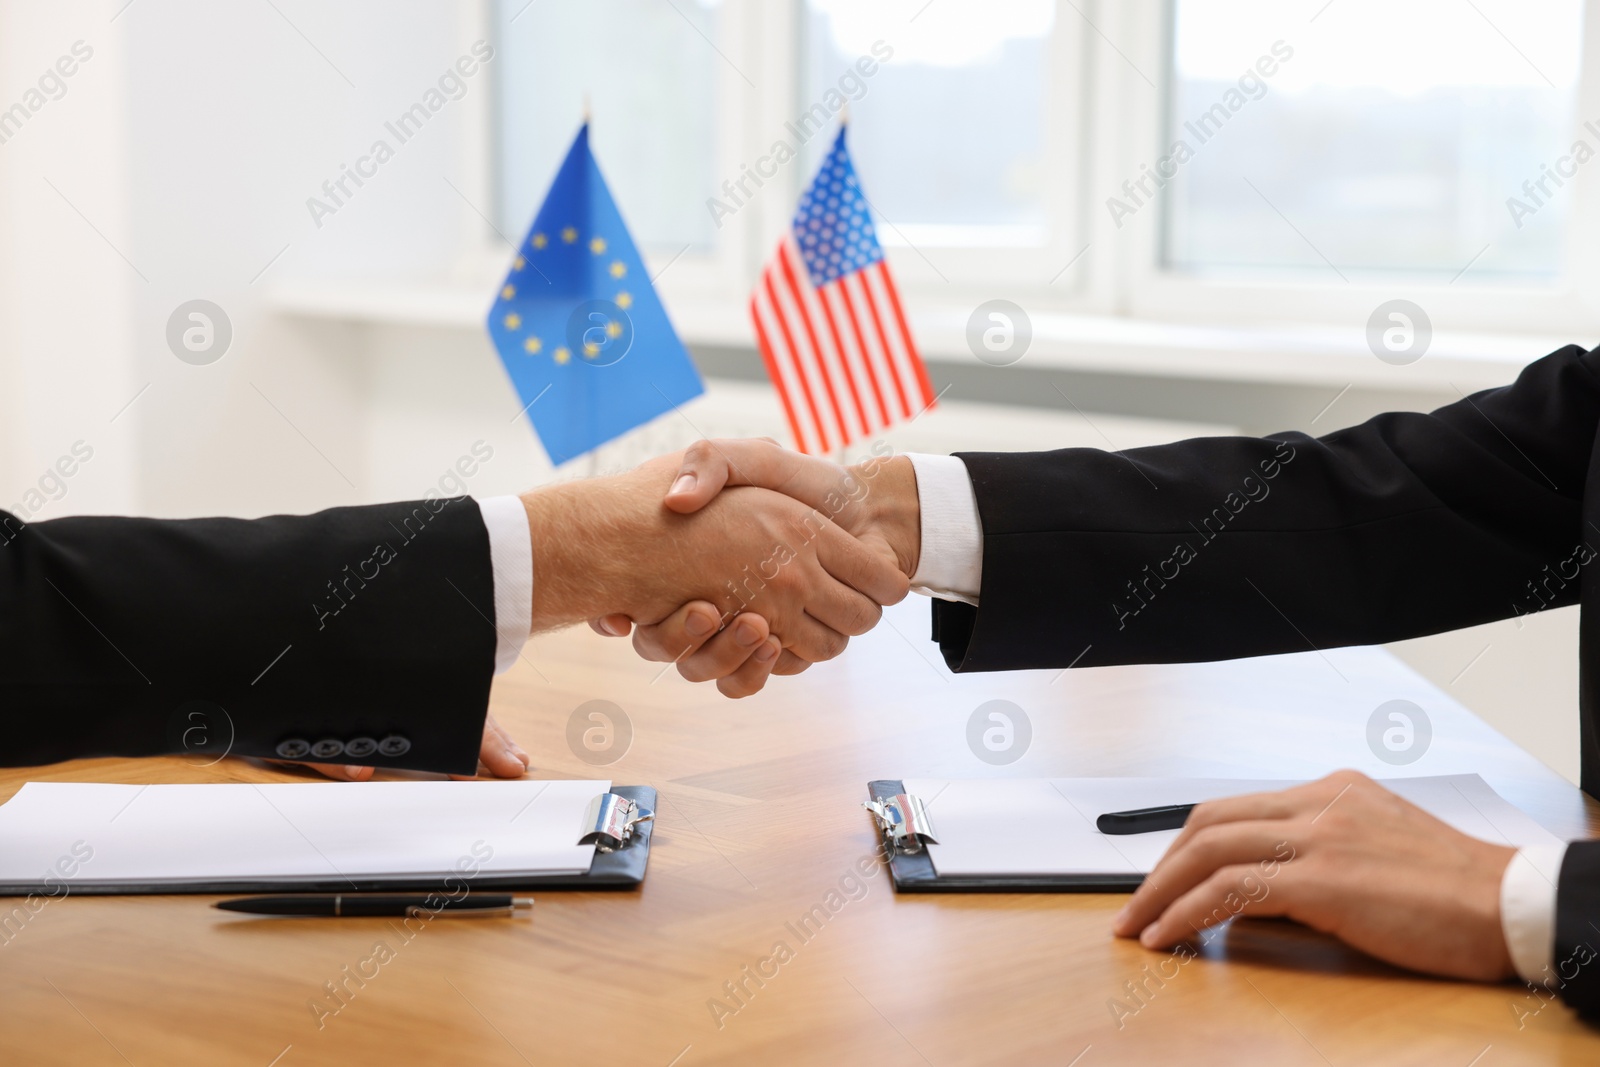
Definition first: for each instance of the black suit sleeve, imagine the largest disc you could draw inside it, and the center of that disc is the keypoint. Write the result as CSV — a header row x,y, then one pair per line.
x,y
369,627
1574,963
1216,548
1406,525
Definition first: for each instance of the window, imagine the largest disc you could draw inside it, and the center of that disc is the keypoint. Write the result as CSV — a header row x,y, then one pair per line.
x,y
1336,153
1382,137
965,74
650,75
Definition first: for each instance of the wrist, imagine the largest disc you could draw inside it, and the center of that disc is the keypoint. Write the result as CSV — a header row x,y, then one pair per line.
x,y
1499,955
894,508
576,529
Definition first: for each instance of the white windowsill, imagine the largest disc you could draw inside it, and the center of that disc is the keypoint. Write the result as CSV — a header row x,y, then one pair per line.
x,y
1282,354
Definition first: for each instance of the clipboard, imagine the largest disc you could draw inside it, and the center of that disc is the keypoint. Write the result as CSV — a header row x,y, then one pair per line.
x,y
618,823
907,830
1042,835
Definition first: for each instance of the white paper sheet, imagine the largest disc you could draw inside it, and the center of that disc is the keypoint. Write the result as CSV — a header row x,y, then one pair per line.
x,y
393,830
983,829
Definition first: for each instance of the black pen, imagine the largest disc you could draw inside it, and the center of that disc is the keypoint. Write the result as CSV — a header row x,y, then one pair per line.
x,y
371,904
1144,820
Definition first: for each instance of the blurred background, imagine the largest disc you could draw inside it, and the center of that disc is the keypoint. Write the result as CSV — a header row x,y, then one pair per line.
x,y
1337,155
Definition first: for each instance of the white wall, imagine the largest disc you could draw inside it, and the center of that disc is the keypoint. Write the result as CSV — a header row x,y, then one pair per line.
x,y
238,117
66,292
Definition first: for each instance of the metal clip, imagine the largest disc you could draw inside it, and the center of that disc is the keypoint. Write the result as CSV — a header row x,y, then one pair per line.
x,y
608,822
903,819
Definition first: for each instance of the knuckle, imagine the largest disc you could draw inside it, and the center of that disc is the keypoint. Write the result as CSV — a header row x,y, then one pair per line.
x,y
699,453
645,643
804,580
695,670
1206,841
736,687
787,581
866,570
660,644
1332,822
1230,878
867,615
1347,777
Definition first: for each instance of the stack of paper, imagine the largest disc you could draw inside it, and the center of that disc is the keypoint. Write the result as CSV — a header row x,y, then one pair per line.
x,y
272,834
1046,826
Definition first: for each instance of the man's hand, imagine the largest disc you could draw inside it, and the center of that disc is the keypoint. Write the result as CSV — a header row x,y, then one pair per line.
x,y
875,500
738,658
500,756
609,547
1342,855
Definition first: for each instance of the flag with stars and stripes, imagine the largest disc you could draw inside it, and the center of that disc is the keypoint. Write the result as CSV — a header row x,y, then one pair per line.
x,y
579,326
829,322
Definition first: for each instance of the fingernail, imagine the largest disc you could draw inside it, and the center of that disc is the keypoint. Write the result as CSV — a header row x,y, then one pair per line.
x,y
354,771
684,484
767,652
527,760
1148,938
1120,917
612,628
699,624
746,634
512,756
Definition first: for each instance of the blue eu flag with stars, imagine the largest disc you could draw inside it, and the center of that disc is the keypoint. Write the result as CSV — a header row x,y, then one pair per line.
x,y
578,324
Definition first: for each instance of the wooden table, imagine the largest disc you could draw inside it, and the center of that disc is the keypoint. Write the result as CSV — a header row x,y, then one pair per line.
x,y
759,819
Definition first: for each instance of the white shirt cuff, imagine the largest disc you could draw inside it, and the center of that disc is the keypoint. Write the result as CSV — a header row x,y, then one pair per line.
x,y
511,557
1528,909
950,565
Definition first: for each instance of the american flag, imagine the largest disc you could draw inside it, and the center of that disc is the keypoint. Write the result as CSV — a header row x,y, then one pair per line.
x,y
829,322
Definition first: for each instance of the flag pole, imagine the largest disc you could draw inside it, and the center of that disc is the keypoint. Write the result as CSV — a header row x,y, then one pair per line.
x,y
594,453
842,455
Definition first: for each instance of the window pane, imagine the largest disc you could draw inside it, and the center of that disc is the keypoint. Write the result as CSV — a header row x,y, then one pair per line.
x,y
1388,136
960,74
651,79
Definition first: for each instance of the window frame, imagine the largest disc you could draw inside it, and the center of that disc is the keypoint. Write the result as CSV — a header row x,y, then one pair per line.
x,y
932,269
1151,290
691,275
1103,120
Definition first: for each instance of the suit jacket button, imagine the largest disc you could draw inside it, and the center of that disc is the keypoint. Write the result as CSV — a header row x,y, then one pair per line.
x,y
328,748
394,745
360,747
294,748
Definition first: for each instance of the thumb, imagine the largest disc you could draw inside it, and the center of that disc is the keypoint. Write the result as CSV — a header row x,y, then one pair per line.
x,y
709,466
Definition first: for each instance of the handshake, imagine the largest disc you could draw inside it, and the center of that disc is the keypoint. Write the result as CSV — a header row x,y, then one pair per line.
x,y
735,559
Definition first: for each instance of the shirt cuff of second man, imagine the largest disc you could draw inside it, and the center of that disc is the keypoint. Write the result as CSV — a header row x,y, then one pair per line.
x,y
950,563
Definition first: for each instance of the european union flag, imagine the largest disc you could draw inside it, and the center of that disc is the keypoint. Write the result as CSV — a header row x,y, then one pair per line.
x,y
578,324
